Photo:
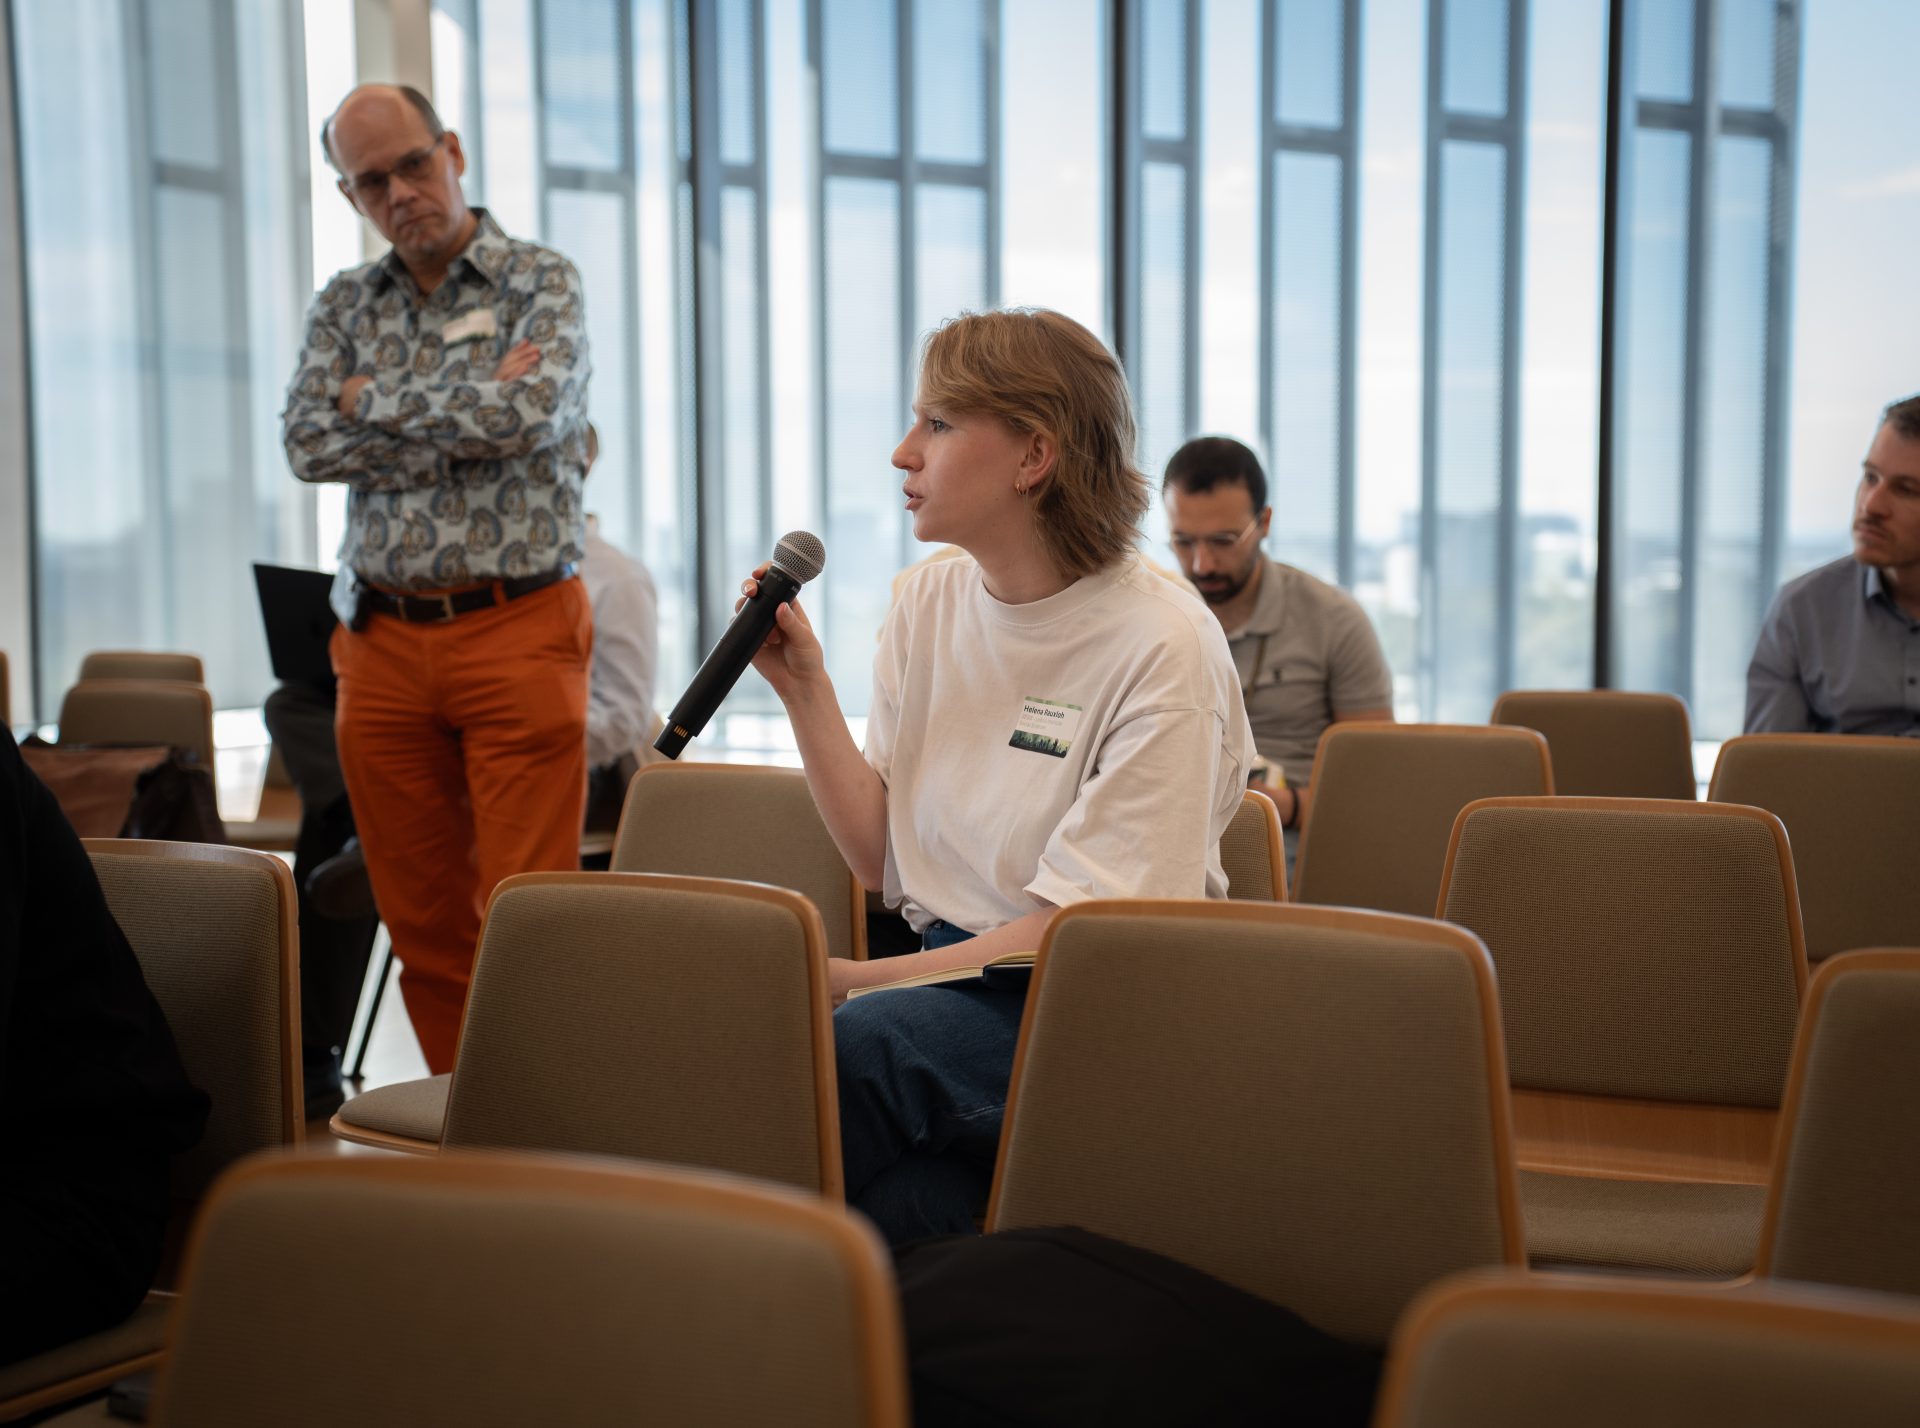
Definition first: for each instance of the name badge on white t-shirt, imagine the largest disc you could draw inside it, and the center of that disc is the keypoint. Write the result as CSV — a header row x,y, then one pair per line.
x,y
1046,726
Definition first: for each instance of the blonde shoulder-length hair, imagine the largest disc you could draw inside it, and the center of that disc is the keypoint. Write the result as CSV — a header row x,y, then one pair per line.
x,y
1039,371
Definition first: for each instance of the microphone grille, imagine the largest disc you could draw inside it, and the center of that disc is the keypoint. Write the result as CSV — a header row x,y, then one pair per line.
x,y
801,555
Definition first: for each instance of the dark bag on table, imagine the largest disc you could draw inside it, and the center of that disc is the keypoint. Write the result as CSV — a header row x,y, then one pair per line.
x,y
142,792
1063,1326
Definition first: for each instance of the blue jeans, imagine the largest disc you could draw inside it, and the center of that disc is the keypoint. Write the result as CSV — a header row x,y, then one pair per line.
x,y
923,1078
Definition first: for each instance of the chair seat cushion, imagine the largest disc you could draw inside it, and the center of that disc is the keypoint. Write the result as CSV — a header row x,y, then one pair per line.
x,y
143,1333
417,1109
1641,1224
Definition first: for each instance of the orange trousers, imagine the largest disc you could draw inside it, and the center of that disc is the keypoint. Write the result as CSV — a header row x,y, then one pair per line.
x,y
464,749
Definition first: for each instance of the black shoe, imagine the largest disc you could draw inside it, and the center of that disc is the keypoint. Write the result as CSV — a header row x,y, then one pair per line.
x,y
338,888
326,1092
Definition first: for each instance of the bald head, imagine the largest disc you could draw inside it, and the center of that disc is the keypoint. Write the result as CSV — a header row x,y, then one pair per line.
x,y
382,105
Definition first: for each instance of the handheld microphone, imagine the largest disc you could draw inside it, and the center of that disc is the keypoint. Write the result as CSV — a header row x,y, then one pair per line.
x,y
796,559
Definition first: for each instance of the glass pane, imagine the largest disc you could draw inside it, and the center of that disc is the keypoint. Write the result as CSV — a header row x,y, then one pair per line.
x,y
1476,57
580,63
1648,477
747,539
1856,209
591,229
1560,347
1160,385
197,393
859,80
866,537
952,276
1465,616
1728,599
1053,211
1746,52
949,80
739,141
1163,69
184,88
1665,44
1305,465
1308,44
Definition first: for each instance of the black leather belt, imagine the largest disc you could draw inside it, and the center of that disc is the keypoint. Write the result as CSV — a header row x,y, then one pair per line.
x,y
437,609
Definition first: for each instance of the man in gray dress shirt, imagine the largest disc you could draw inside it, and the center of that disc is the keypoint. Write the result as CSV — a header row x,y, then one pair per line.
x,y
446,385
1306,653
1840,650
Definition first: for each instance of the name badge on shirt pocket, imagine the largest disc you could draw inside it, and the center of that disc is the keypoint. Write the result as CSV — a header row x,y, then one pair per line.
x,y
475,326
1045,726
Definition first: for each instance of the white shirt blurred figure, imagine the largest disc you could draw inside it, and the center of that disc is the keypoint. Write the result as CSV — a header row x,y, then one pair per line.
x,y
620,715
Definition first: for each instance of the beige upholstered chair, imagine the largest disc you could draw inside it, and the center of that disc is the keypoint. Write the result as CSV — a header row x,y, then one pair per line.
x,y
1253,851
684,1020
497,1290
1383,801
1491,1350
143,664
1608,743
1651,969
214,930
741,821
140,711
1852,809
1316,1110
275,825
1844,1205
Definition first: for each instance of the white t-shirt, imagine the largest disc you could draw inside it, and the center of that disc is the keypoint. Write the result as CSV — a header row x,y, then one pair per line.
x,y
1092,744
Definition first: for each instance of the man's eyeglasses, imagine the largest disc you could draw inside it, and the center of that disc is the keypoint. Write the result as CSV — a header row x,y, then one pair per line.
x,y
1220,543
416,167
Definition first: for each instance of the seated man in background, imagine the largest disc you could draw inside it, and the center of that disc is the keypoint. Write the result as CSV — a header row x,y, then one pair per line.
x,y
626,637
1305,651
93,1099
1839,652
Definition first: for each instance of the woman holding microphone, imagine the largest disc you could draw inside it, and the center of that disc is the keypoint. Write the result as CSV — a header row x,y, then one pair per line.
x,y
1051,722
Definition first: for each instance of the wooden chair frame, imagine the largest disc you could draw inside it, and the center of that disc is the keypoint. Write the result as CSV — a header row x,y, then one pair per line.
x,y
1875,959
1848,1318
1276,842
1382,729
819,993
1337,919
92,1380
1628,1138
856,894
514,1174
293,1086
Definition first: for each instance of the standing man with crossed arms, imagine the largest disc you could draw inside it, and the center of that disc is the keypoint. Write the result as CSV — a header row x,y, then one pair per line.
x,y
446,385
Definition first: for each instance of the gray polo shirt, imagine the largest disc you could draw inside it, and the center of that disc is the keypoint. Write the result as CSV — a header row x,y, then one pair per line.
x,y
1836,655
1306,653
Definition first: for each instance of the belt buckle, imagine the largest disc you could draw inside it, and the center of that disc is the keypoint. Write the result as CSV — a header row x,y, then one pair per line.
x,y
447,612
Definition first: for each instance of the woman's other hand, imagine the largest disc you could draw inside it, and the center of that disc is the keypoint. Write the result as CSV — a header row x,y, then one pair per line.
x,y
791,658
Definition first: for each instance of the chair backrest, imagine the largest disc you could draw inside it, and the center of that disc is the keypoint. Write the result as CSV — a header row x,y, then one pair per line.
x,y
216,933
684,1020
1648,950
743,821
1608,743
1844,1205
1309,1103
1383,800
1253,851
143,664
140,711
6,692
1851,805
491,1289
1492,1350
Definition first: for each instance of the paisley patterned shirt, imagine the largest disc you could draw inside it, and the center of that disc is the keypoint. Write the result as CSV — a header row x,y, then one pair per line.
x,y
456,478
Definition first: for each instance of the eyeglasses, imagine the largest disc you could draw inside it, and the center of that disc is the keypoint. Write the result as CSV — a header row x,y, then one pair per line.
x,y
415,167
1219,543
